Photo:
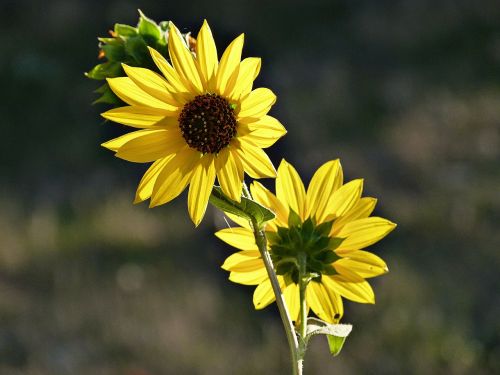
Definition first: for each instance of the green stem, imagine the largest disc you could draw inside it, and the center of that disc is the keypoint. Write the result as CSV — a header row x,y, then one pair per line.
x,y
303,281
260,240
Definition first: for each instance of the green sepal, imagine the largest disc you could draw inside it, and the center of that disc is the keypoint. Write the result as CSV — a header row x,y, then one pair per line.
x,y
293,219
137,48
247,208
148,29
114,52
335,242
125,30
324,228
336,333
105,70
107,96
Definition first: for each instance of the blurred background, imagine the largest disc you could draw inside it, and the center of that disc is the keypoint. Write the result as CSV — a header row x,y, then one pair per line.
x,y
406,93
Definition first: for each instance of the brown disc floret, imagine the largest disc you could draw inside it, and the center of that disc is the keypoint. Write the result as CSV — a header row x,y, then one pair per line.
x,y
208,123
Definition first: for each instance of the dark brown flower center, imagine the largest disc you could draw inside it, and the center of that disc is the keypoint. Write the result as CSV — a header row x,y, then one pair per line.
x,y
208,123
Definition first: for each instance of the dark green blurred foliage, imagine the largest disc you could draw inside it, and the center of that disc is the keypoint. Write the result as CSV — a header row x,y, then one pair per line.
x,y
407,95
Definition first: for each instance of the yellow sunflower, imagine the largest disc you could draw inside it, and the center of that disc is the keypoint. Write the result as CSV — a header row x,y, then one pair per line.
x,y
199,121
325,228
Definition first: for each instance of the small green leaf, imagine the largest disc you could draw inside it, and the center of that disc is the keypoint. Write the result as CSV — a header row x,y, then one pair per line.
x,y
336,334
137,48
125,30
105,70
247,208
108,96
335,344
148,28
114,52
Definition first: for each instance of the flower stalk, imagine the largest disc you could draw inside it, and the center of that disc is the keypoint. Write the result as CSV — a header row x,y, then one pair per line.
x,y
293,344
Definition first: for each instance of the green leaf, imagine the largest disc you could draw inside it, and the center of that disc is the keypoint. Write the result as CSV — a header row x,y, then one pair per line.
x,y
335,344
125,30
108,96
137,48
247,208
105,70
335,333
148,28
114,52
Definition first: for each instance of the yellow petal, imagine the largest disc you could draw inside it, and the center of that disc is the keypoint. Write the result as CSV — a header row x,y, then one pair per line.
x,y
183,60
264,132
200,189
152,83
263,295
344,199
175,83
292,299
363,263
326,304
239,220
255,161
326,180
174,177
359,291
116,143
364,232
151,145
240,238
240,257
269,200
229,66
229,173
290,189
206,55
362,209
257,103
248,71
249,278
132,94
135,116
145,188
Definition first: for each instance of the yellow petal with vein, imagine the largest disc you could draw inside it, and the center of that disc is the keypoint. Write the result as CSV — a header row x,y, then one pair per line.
x,y
359,291
206,54
200,189
145,188
362,209
344,199
116,143
229,173
362,263
290,189
249,70
229,66
326,180
249,278
255,161
325,304
263,295
240,257
132,94
364,232
240,238
175,83
135,116
151,145
174,177
292,299
263,196
264,132
183,60
152,83
257,103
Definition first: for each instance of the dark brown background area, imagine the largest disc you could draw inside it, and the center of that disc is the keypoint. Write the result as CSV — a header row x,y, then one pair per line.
x,y
406,93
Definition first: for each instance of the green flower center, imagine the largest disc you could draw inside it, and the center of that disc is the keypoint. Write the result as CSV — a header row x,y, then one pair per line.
x,y
208,123
304,242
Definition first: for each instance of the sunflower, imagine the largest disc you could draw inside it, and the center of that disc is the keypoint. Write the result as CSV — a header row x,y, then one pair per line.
x,y
325,229
198,121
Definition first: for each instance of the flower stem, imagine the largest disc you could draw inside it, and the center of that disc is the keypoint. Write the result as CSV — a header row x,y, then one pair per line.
x,y
303,281
260,240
